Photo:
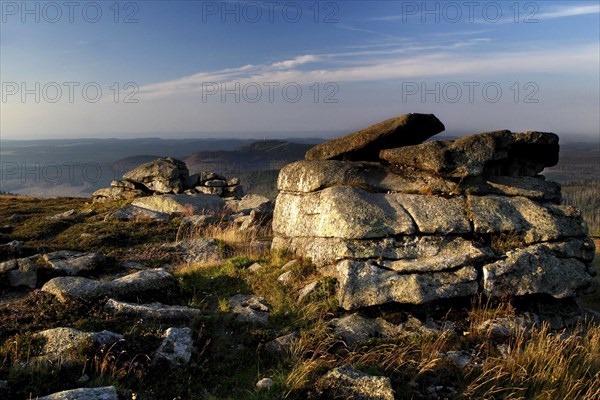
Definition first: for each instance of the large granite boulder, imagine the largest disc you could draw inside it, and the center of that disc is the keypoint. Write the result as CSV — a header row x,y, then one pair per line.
x,y
408,129
435,221
164,175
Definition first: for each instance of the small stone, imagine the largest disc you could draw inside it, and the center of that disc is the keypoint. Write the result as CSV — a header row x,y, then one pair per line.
x,y
282,343
459,358
250,308
264,383
176,347
285,278
309,289
289,265
255,267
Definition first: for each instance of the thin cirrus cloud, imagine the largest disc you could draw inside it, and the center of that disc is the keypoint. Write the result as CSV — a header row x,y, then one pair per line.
x,y
382,66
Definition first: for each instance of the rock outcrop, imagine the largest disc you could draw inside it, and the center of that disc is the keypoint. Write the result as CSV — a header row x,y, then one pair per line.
x,y
438,220
167,176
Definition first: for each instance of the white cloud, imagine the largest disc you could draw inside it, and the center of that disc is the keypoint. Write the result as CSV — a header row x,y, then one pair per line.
x,y
399,64
570,11
300,60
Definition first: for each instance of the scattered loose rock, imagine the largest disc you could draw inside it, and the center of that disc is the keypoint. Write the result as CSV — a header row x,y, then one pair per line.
x,y
250,308
102,393
66,288
347,382
176,348
73,262
155,311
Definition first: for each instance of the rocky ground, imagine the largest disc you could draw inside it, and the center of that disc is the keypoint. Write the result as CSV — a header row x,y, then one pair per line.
x,y
158,290
208,338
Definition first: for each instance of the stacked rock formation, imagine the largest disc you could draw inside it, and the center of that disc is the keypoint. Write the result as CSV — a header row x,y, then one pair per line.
x,y
400,221
167,176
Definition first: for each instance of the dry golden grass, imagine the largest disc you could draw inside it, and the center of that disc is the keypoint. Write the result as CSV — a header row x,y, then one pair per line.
x,y
542,365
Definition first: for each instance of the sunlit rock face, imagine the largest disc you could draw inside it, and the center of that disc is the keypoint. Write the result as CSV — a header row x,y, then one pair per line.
x,y
421,222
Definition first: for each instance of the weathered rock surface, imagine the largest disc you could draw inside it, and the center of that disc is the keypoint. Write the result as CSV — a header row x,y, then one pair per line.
x,y
250,308
202,250
134,213
401,253
66,343
21,272
116,194
538,269
492,153
346,382
364,284
66,288
355,329
181,204
101,393
534,222
419,225
283,343
310,176
165,175
408,129
73,262
155,311
176,348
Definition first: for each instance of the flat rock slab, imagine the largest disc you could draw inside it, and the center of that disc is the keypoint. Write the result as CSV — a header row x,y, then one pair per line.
x,y
250,308
202,250
402,254
65,343
181,203
364,145
176,348
67,288
135,213
310,176
116,194
102,393
156,311
535,222
490,153
355,328
347,382
73,262
538,269
364,284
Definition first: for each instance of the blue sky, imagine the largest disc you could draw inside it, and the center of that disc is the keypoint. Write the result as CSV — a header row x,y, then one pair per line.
x,y
320,68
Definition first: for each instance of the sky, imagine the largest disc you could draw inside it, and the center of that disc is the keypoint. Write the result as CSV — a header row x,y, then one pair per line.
x,y
244,69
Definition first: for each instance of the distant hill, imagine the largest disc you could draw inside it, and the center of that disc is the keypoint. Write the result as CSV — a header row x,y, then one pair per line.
x,y
258,156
